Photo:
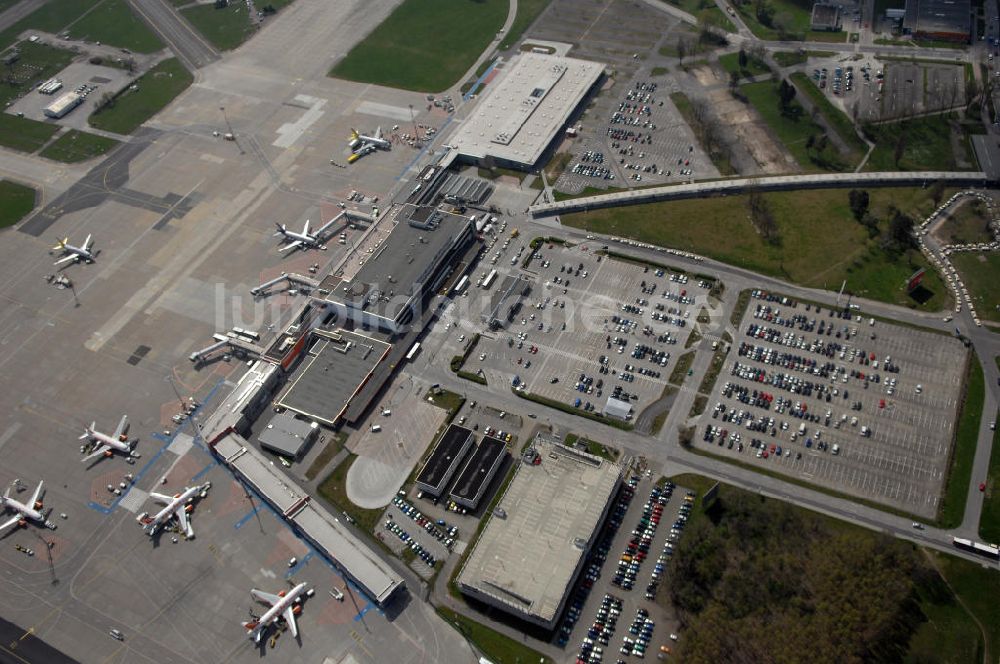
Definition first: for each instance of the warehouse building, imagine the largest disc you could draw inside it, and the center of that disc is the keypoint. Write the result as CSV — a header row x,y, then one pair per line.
x,y
945,20
526,109
416,258
288,436
63,105
537,539
471,485
446,459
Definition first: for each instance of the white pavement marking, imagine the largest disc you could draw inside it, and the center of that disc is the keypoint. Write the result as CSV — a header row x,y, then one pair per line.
x,y
134,499
9,433
385,111
181,444
290,132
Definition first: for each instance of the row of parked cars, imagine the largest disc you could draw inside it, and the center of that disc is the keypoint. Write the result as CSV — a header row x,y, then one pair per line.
x,y
642,538
408,540
600,633
439,530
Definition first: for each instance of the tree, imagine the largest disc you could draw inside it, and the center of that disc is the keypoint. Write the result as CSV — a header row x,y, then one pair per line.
x,y
734,80
900,235
900,148
682,49
743,59
859,200
937,192
786,93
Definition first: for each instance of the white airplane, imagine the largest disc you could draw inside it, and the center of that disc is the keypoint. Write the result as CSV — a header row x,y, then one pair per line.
x,y
305,238
74,254
376,140
30,511
283,605
105,445
175,507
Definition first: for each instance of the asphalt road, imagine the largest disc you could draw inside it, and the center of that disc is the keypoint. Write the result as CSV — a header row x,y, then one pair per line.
x,y
190,47
20,647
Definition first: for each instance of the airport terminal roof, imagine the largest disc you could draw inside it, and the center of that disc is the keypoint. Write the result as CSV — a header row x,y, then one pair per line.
x,y
339,363
527,559
388,278
440,466
482,465
526,107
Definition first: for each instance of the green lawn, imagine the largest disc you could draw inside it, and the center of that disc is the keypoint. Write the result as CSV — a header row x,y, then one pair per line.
x,y
154,90
424,46
960,473
74,146
334,491
989,520
795,129
527,12
968,224
38,62
23,134
113,22
334,443
981,274
52,17
496,647
978,589
828,247
16,201
927,146
692,7
449,401
731,63
834,117
225,28
789,58
592,447
795,15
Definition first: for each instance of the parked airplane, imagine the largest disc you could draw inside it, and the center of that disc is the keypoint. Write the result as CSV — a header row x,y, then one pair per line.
x,y
105,445
176,507
358,139
305,238
283,605
30,511
74,254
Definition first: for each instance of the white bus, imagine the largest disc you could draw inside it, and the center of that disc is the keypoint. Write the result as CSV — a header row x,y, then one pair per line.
x,y
413,351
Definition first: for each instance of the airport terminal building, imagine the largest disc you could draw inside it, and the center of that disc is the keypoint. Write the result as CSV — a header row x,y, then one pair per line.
x,y
537,539
524,111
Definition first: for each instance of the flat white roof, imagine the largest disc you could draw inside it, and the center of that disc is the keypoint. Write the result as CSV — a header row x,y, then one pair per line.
x,y
526,107
527,559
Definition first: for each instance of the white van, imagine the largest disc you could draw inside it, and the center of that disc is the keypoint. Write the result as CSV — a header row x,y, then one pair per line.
x,y
376,428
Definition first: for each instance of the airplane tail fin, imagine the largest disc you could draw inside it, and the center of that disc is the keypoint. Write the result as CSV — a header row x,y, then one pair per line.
x,y
281,229
354,134
61,244
253,630
87,431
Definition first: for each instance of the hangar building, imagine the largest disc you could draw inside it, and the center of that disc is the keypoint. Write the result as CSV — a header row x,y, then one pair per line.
x,y
526,109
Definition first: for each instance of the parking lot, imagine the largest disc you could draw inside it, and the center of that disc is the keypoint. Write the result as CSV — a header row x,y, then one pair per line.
x,y
839,399
608,618
91,81
635,136
592,328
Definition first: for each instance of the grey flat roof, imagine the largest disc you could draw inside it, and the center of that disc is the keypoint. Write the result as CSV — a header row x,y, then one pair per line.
x,y
333,540
939,16
286,435
338,363
527,560
406,260
617,408
526,107
448,453
480,469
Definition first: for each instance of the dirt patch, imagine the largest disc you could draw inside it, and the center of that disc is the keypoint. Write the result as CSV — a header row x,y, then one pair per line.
x,y
769,155
705,75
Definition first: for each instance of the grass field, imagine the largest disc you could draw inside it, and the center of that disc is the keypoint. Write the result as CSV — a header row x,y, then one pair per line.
x,y
334,491
794,16
816,250
989,520
834,117
927,146
334,444
968,224
793,131
496,647
52,17
527,12
978,588
23,134
112,22
225,28
16,201
37,63
981,274
74,146
789,58
155,89
731,63
424,46
960,472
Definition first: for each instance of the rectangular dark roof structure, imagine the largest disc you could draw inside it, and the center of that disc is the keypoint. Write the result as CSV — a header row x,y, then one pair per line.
x,y
445,460
339,364
939,19
479,472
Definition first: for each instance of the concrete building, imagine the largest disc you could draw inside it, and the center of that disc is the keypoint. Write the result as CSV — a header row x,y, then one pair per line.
x,y
945,20
525,109
412,262
288,436
536,541
445,460
63,105
475,478
825,17
506,300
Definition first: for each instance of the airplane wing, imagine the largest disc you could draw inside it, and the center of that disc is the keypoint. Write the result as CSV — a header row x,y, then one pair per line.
x,y
160,498
262,596
86,244
10,522
101,449
289,616
305,228
182,519
290,245
67,259
121,428
37,495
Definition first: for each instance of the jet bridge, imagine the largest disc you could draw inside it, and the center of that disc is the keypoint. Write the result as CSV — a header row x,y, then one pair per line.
x,y
232,342
291,278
